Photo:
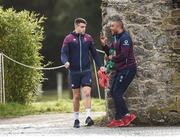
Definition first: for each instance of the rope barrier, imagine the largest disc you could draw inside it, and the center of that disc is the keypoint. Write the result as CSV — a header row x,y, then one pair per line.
x,y
39,68
27,66
2,93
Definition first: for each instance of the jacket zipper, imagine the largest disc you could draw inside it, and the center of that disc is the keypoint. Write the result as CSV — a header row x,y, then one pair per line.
x,y
115,39
80,52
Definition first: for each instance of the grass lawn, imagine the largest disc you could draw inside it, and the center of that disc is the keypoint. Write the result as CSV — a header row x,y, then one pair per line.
x,y
45,104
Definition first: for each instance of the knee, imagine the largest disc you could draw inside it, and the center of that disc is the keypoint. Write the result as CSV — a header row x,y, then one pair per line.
x,y
76,97
87,95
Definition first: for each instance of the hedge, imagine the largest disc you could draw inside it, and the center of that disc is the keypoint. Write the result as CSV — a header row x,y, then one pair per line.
x,y
21,36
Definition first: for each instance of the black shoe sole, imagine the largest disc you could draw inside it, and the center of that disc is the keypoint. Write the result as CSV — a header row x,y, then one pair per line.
x,y
90,124
76,126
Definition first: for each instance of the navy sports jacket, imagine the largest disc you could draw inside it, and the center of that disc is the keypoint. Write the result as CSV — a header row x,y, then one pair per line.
x,y
123,46
76,49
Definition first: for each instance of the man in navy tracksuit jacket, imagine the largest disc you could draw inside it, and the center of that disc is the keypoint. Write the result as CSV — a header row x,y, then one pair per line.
x,y
75,54
125,66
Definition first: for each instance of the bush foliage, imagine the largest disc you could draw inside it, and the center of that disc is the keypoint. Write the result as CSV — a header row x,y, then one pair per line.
x,y
21,35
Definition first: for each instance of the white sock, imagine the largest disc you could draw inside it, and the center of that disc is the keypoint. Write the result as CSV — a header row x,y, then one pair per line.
x,y
88,112
76,115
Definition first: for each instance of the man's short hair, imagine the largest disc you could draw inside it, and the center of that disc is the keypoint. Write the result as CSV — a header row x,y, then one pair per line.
x,y
79,20
117,18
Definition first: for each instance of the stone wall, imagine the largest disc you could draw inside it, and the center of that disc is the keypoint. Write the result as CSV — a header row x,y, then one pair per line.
x,y
154,25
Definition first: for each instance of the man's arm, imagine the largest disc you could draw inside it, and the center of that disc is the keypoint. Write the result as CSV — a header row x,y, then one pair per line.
x,y
106,49
104,44
95,54
65,53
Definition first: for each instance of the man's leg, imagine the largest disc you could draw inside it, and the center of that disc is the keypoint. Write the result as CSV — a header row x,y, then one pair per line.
x,y
75,85
87,104
124,78
87,100
86,84
119,86
128,118
76,105
76,100
121,107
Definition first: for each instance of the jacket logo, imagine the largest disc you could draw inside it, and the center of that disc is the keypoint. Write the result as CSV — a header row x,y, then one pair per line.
x,y
126,43
74,39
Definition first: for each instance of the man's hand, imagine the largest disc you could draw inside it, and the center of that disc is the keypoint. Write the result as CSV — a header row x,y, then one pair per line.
x,y
110,57
103,40
102,69
67,64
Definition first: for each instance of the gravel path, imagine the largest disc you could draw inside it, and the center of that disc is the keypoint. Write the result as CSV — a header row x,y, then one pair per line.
x,y
61,125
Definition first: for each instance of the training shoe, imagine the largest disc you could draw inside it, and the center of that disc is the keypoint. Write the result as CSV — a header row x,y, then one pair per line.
x,y
89,121
127,119
76,123
116,123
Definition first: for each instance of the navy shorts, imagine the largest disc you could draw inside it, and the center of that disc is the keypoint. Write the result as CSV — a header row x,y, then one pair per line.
x,y
80,79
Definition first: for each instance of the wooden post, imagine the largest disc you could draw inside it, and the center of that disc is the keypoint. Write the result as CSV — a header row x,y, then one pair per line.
x,y
97,82
3,83
1,92
2,88
59,85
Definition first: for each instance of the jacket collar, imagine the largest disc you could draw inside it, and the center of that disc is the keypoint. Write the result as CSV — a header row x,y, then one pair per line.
x,y
77,34
118,36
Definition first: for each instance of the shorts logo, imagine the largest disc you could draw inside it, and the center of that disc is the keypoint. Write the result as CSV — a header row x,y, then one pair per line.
x,y
121,78
72,85
126,43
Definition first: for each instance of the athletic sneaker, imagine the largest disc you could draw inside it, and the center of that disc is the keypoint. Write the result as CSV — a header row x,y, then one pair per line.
x,y
89,121
76,123
116,123
127,119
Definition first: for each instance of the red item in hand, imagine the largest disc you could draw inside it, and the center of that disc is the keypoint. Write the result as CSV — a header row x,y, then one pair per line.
x,y
103,78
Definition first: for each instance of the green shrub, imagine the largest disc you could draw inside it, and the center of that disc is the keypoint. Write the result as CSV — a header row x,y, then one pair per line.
x,y
21,36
